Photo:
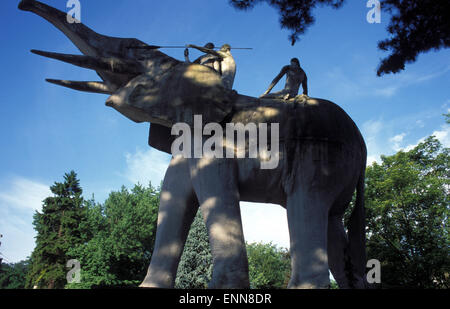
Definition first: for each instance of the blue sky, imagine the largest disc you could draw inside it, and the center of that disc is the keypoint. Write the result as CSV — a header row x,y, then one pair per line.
x,y
47,131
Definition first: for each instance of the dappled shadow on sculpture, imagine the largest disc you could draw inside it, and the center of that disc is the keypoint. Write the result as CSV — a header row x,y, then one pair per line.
x,y
322,158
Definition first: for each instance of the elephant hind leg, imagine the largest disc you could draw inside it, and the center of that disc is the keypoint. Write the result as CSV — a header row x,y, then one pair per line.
x,y
321,179
338,245
308,221
340,259
338,251
342,262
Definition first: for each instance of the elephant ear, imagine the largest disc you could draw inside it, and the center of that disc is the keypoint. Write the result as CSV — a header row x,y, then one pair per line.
x,y
160,138
175,96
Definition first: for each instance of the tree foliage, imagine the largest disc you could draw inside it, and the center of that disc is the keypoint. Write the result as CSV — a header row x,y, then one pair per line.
x,y
295,15
407,202
416,26
119,239
58,230
269,266
12,276
195,268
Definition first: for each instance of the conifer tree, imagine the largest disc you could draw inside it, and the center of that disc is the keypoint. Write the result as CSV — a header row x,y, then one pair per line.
x,y
58,228
195,268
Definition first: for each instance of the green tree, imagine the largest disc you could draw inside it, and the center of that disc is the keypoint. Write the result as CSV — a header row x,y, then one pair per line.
x,y
333,285
119,237
416,26
58,230
269,266
407,207
195,268
12,276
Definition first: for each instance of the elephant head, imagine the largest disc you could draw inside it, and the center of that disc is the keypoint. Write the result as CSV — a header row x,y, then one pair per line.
x,y
139,78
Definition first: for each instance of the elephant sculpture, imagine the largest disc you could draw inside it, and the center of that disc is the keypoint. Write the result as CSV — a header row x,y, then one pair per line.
x,y
321,161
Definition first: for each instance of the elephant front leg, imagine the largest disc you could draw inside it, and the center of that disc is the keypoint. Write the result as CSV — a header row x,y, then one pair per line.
x,y
216,186
177,209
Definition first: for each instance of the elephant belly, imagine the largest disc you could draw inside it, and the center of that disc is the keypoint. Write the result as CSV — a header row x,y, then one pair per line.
x,y
260,185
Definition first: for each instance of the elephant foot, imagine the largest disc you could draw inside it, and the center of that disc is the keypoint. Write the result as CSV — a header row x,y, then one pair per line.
x,y
359,283
155,285
158,279
144,285
308,286
317,282
230,280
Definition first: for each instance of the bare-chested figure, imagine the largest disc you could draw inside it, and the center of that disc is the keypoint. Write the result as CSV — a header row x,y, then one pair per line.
x,y
208,59
227,63
294,77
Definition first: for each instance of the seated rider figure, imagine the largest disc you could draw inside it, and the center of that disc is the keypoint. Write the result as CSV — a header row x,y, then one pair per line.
x,y
227,64
208,59
294,77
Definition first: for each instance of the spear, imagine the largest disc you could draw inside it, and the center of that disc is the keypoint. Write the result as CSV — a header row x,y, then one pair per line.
x,y
158,47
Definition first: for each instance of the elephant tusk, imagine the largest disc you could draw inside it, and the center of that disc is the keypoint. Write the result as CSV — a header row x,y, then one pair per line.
x,y
108,64
95,87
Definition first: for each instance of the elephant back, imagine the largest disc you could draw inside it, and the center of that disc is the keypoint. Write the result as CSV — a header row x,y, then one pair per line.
x,y
306,119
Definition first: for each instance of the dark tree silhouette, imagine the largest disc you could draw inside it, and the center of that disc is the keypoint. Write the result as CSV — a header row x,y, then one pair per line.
x,y
416,26
295,15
